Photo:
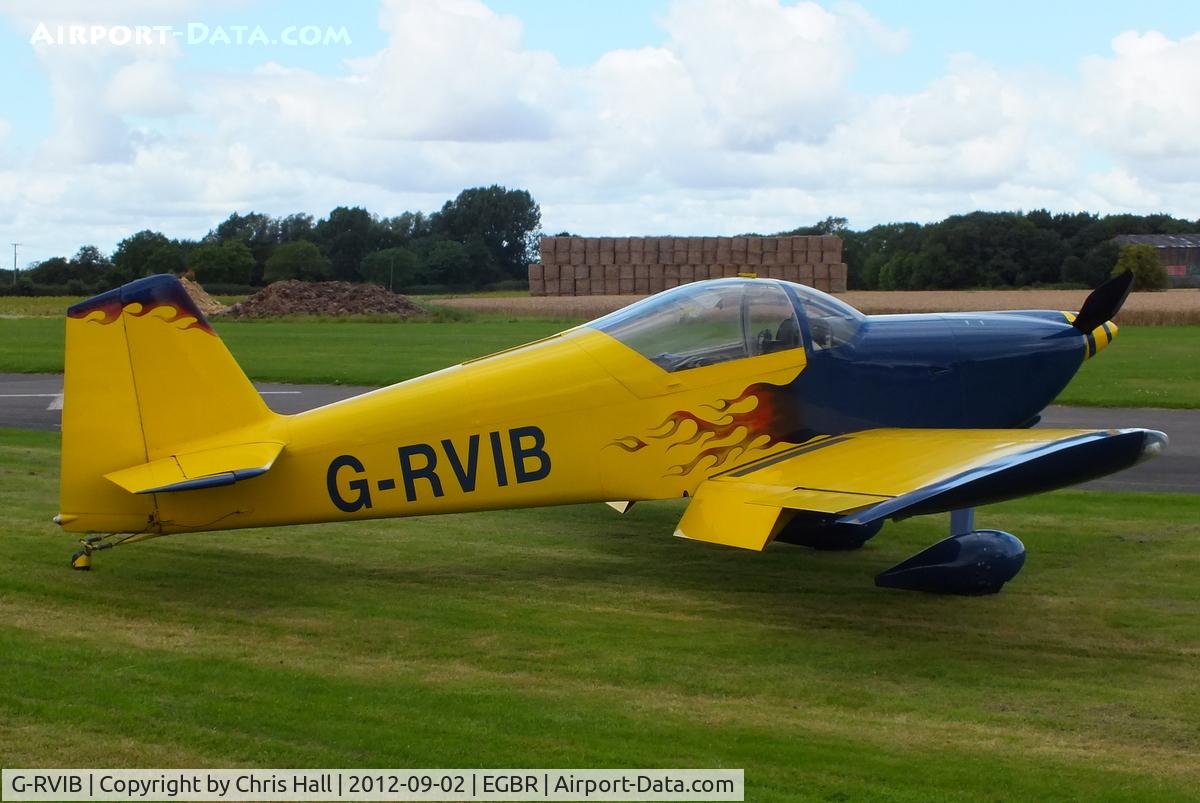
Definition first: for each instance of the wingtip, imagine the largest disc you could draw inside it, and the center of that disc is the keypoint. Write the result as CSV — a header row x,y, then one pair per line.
x,y
1154,443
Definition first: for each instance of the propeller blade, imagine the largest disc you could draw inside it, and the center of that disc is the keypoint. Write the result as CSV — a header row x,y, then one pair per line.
x,y
1104,303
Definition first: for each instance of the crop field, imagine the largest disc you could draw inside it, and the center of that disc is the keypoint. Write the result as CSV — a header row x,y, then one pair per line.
x,y
1171,308
575,637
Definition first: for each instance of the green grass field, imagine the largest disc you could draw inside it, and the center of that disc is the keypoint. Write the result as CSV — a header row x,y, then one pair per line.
x,y
1154,366
55,306
1147,366
574,637
345,352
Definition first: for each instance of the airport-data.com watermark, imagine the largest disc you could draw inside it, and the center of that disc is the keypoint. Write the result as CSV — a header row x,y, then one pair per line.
x,y
193,33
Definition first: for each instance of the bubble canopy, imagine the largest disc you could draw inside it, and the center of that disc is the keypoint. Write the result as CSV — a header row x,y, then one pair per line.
x,y
705,323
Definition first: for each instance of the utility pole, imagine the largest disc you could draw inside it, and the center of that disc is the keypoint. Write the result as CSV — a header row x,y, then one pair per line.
x,y
14,245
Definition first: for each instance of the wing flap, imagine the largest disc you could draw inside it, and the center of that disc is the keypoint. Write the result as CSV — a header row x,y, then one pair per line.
x,y
208,468
724,513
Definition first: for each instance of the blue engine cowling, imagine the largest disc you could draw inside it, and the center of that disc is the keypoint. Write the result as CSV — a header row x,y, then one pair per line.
x,y
973,563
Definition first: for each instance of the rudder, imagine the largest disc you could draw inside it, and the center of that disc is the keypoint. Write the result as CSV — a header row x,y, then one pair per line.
x,y
146,377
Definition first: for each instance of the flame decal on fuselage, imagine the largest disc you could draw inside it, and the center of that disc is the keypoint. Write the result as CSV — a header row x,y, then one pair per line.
x,y
774,418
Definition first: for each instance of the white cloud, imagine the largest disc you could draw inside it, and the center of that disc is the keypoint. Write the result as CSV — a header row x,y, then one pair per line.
x,y
743,119
26,14
1123,190
95,86
766,72
1141,101
861,23
456,70
968,130
147,87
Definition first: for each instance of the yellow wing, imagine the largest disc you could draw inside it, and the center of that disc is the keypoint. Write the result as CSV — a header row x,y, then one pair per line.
x,y
862,477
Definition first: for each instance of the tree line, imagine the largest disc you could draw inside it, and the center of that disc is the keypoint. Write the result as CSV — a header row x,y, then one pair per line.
x,y
487,236
991,249
484,236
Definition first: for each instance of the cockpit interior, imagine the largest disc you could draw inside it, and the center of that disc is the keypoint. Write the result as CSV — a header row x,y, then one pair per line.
x,y
705,323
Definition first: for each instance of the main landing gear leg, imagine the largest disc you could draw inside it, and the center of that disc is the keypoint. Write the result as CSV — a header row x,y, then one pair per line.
x,y
962,521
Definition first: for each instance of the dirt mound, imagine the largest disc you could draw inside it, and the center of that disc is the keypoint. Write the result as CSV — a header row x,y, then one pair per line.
x,y
322,298
207,304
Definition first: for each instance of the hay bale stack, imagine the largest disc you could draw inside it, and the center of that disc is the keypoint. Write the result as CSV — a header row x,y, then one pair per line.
x,y
642,265
641,279
837,278
550,277
537,277
754,251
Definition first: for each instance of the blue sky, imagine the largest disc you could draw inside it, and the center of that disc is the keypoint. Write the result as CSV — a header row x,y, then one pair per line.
x,y
1018,34
746,142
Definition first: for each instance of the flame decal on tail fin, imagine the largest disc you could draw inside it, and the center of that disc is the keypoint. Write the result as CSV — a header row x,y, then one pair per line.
x,y
140,298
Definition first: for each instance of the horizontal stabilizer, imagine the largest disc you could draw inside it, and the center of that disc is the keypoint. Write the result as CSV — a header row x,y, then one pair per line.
x,y
192,471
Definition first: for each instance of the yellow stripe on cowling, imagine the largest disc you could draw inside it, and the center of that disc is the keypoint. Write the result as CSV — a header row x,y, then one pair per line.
x,y
1103,335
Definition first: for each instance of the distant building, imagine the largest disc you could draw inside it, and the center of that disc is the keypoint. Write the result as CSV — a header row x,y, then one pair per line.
x,y
1179,253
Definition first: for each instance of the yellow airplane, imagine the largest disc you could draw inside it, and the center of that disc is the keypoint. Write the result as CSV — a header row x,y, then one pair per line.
x,y
781,412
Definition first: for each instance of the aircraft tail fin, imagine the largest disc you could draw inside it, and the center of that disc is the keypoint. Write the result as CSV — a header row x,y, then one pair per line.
x,y
146,379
